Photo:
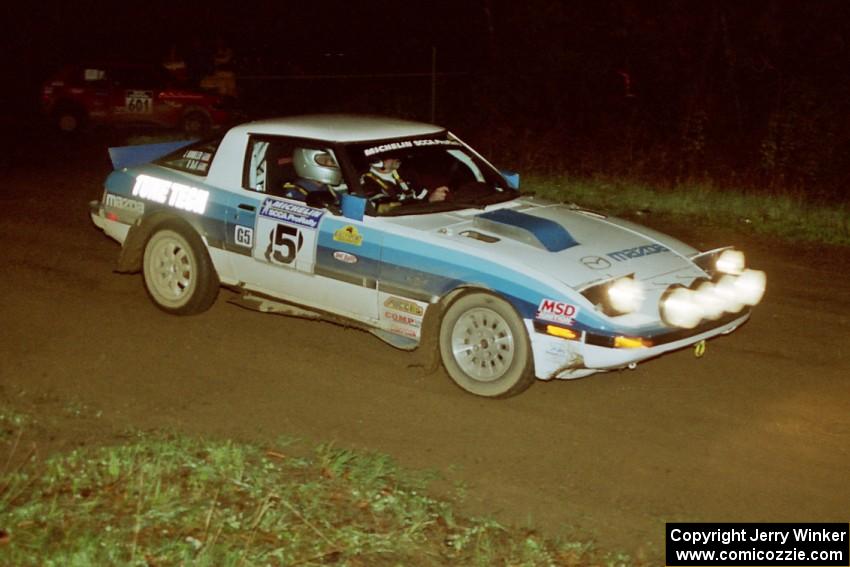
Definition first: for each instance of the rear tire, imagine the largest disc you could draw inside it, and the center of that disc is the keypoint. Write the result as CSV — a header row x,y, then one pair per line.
x,y
178,273
485,347
68,120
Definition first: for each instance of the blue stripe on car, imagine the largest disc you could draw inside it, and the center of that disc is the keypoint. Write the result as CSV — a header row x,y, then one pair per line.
x,y
431,271
550,234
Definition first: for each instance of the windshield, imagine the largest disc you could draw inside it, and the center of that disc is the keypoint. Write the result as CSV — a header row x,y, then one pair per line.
x,y
425,175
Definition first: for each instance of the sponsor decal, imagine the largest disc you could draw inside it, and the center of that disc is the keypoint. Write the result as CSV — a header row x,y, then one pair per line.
x,y
243,236
197,155
293,213
404,331
124,203
197,160
637,252
403,305
595,262
403,319
177,195
408,144
349,235
345,257
285,241
556,311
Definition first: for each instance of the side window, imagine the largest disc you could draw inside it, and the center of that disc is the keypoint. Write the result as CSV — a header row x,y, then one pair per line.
x,y
291,168
270,165
194,158
256,174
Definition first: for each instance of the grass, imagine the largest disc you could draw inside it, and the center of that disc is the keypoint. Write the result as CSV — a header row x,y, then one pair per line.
x,y
174,500
784,214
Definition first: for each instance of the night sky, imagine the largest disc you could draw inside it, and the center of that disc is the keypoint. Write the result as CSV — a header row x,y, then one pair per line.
x,y
759,88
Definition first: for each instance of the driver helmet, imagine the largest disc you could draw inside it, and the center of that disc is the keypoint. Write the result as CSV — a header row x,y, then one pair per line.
x,y
385,168
316,165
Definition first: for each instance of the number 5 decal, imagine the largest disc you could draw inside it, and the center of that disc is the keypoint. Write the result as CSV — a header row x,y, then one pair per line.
x,y
284,243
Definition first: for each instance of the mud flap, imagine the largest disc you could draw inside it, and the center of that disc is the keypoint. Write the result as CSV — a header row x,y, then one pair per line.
x,y
427,355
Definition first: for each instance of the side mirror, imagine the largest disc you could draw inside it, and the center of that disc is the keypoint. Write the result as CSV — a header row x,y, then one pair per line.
x,y
353,207
512,177
323,200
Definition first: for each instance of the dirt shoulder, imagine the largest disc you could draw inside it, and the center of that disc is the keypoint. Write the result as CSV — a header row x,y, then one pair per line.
x,y
757,430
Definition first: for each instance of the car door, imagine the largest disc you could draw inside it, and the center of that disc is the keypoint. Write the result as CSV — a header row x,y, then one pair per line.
x,y
300,253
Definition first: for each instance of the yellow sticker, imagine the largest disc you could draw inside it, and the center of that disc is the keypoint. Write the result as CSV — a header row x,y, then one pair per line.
x,y
349,235
404,305
699,349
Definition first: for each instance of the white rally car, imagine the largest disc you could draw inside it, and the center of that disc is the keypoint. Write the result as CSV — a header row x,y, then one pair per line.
x,y
507,288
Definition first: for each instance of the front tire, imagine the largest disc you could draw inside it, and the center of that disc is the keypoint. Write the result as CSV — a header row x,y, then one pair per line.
x,y
484,346
178,273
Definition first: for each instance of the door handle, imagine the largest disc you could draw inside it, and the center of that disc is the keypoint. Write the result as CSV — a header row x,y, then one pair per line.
x,y
247,207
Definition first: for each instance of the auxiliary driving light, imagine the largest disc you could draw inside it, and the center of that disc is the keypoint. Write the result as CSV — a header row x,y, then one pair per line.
x,y
710,303
728,291
679,308
731,261
750,286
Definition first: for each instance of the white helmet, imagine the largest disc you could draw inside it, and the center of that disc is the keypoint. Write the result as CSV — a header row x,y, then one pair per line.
x,y
385,167
316,165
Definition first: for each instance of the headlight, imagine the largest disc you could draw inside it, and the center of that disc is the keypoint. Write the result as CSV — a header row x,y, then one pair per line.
x,y
625,295
730,261
616,297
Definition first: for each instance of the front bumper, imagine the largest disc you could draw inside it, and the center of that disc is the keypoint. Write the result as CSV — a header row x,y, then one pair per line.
x,y
555,357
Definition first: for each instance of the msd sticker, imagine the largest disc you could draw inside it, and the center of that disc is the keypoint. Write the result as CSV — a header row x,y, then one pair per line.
x,y
556,311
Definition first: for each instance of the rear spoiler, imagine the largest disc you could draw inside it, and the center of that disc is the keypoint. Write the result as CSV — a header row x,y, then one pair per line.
x,y
128,156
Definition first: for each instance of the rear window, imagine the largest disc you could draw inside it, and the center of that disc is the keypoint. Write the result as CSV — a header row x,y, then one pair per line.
x,y
194,158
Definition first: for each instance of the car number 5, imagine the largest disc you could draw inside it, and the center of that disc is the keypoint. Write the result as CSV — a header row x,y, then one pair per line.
x,y
284,243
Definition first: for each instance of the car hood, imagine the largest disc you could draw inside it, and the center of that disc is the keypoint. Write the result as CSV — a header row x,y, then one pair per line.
x,y
576,246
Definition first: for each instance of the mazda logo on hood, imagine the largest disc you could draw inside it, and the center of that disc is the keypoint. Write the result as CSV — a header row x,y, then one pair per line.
x,y
595,262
